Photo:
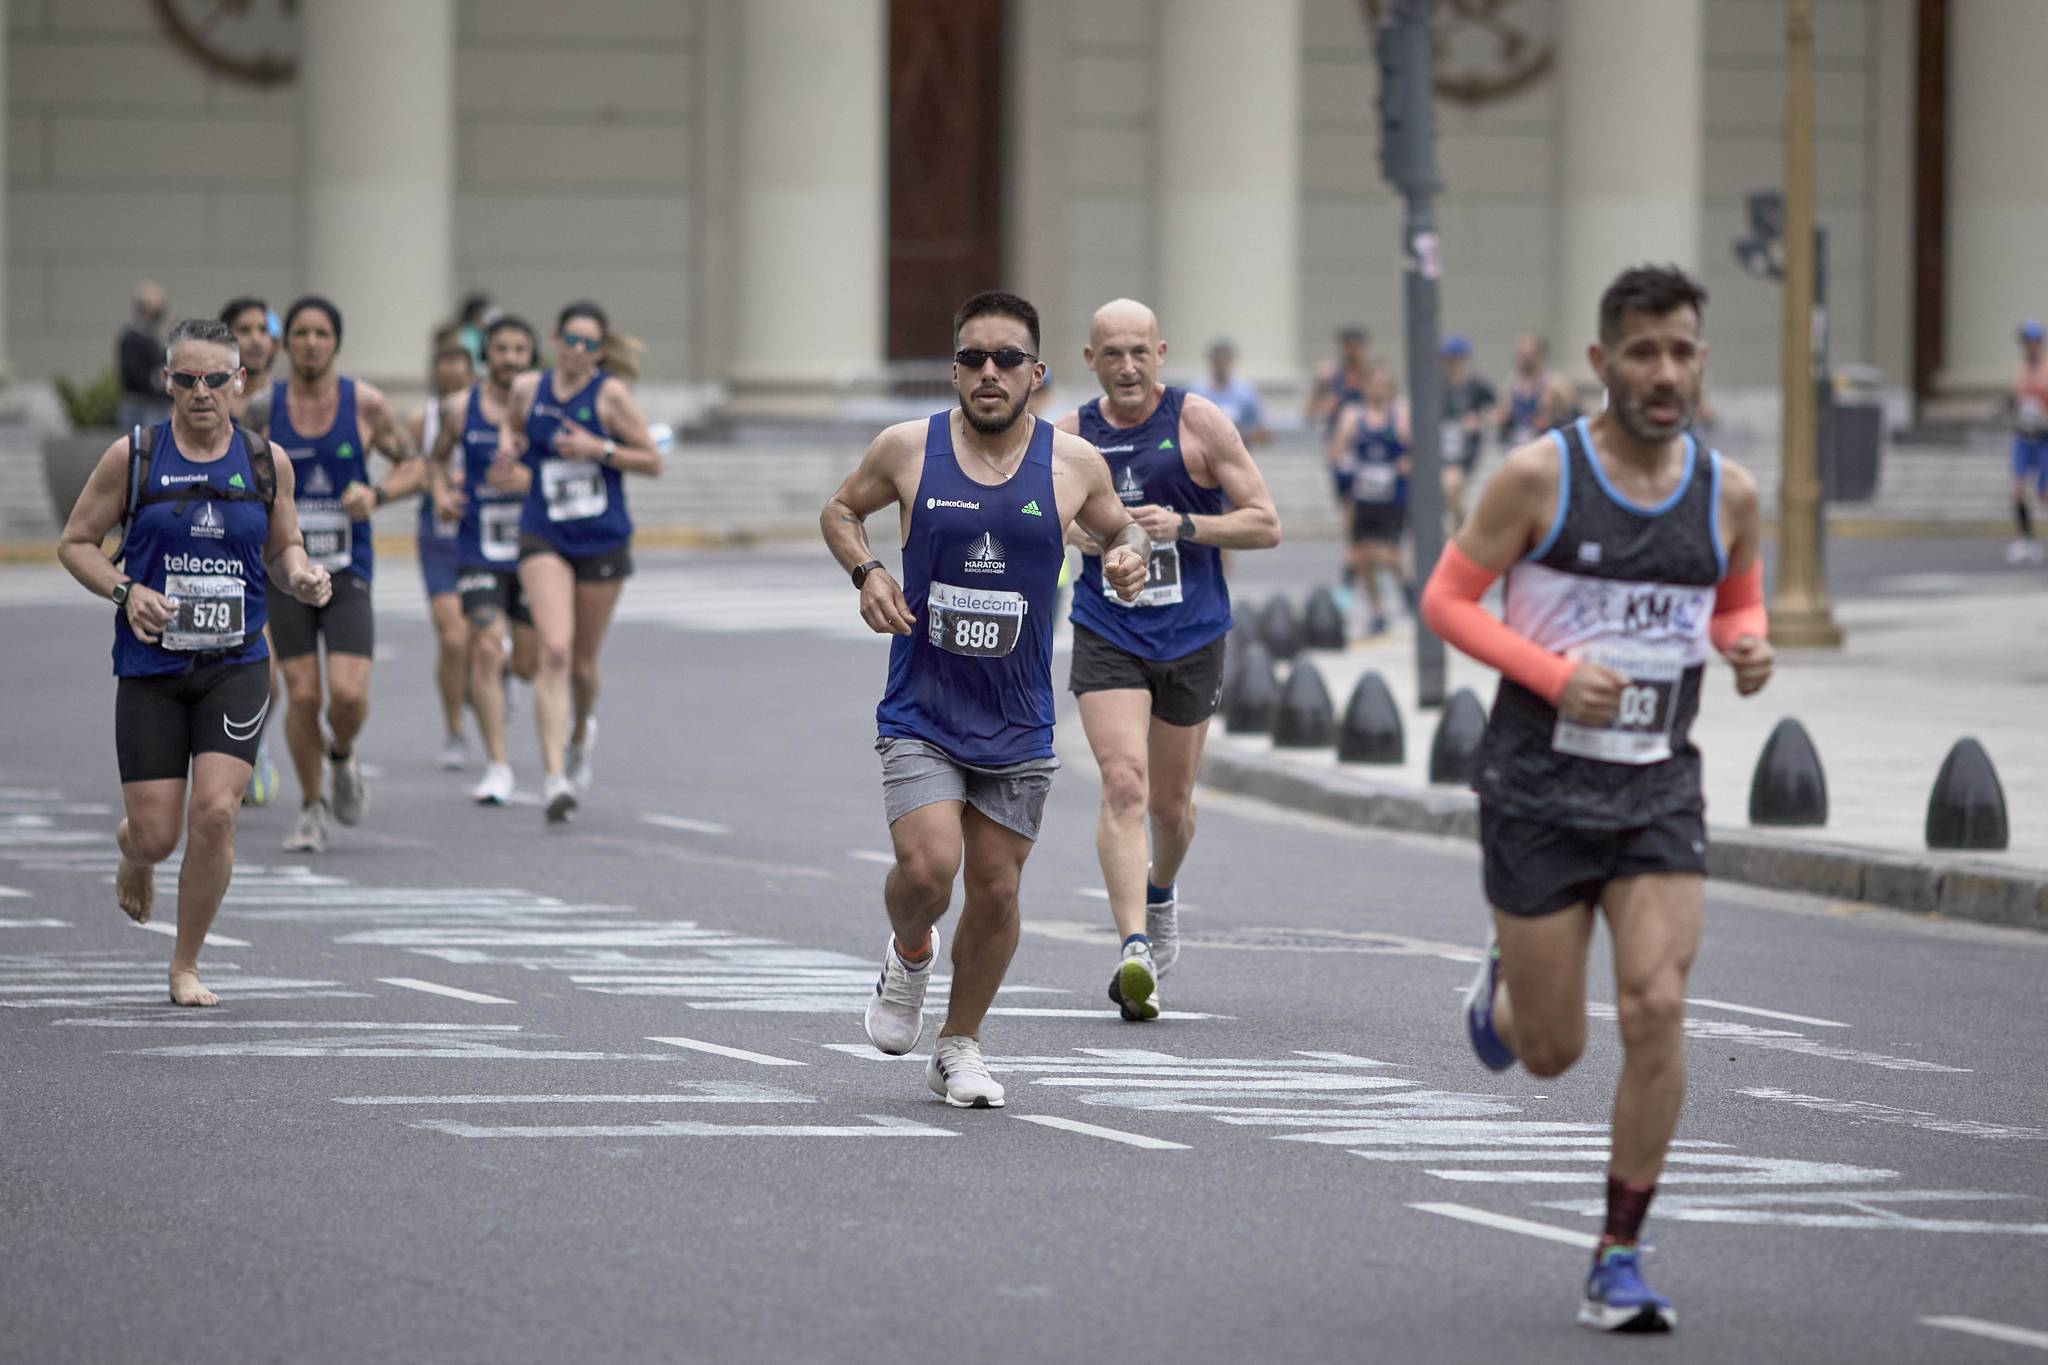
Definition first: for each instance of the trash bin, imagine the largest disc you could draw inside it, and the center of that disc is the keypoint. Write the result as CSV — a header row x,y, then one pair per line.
x,y
1849,474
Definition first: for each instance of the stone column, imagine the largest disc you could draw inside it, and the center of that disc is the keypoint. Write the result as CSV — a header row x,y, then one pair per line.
x,y
1997,273
1038,102
1629,86
6,367
379,119
813,170
1230,183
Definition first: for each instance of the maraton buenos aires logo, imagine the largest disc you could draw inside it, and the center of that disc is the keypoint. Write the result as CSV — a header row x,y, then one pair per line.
x,y
208,522
1130,487
986,555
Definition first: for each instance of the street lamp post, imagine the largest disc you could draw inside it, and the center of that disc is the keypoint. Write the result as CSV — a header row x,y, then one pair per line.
x,y
1408,163
1800,614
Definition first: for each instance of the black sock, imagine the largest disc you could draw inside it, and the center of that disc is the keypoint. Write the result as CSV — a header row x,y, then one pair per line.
x,y
333,757
1627,1202
2025,518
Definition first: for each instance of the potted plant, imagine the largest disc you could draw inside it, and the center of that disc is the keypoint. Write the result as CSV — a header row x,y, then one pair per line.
x,y
68,460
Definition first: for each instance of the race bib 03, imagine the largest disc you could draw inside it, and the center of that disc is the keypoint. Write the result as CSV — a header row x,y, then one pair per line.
x,y
1641,730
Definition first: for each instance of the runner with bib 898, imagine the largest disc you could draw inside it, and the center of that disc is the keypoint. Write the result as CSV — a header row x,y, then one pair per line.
x,y
1629,552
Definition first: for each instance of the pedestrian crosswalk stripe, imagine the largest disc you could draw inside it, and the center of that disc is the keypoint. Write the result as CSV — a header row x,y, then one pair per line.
x,y
719,1049
1113,1134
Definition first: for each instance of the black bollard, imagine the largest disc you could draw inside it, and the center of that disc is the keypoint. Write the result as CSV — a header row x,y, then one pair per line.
x,y
1967,809
1322,623
1257,695
1372,725
1790,787
1304,719
1279,628
1457,738
1234,644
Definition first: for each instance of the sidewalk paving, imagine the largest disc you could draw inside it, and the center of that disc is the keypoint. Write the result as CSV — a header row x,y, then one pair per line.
x,y
1914,676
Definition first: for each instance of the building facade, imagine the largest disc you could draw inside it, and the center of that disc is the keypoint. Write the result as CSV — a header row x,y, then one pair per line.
x,y
786,196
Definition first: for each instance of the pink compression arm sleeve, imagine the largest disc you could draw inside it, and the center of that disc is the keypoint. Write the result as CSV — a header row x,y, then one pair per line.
x,y
1739,608
1450,607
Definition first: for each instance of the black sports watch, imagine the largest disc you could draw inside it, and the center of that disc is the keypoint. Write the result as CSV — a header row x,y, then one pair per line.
x,y
1187,526
119,596
861,572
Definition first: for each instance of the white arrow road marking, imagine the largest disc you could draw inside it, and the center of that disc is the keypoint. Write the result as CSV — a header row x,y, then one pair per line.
x,y
1767,1014
1996,1331
707,1092
452,992
684,822
719,1049
1871,1210
882,1125
1884,1113
1570,1237
1113,1134
213,940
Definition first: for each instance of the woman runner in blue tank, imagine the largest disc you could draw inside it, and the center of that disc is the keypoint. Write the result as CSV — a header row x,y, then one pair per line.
x,y
1149,673
210,524
1372,435
577,429
985,497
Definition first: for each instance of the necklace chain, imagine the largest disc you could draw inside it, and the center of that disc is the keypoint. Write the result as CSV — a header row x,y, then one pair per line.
x,y
989,464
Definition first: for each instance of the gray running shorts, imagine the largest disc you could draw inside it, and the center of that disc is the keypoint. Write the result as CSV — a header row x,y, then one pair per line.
x,y
916,774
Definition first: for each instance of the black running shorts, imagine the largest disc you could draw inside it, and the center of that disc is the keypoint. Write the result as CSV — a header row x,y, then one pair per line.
x,y
609,567
488,592
1377,521
1535,868
161,721
346,621
1185,691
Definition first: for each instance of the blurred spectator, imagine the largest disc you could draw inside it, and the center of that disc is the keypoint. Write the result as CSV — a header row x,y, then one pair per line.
x,y
1557,406
1519,425
1467,400
478,313
1239,398
1342,380
2029,441
139,355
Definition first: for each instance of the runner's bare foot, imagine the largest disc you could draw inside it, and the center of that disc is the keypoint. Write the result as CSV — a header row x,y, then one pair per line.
x,y
186,990
135,889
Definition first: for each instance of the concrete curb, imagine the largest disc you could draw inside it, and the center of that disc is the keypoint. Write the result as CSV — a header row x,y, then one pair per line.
x,y
1950,887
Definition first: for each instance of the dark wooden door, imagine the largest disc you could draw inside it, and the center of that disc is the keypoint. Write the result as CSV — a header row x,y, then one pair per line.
x,y
945,166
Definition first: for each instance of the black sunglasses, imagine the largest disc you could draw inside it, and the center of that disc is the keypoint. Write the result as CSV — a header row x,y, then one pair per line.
x,y
1009,358
185,379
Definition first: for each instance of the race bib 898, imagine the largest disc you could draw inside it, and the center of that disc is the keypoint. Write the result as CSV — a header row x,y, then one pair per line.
x,y
977,622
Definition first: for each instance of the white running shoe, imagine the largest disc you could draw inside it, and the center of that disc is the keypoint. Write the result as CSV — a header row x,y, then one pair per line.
x,y
1135,988
576,761
351,797
2019,552
957,1074
496,788
309,835
1162,926
559,798
895,1016
454,754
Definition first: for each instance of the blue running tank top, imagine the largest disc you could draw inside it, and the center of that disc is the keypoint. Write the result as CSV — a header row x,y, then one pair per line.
x,y
197,537
1376,475
980,573
576,506
1632,588
489,535
1185,603
322,466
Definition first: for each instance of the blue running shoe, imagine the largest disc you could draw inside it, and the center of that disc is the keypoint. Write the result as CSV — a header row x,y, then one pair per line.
x,y
1617,1300
1479,1012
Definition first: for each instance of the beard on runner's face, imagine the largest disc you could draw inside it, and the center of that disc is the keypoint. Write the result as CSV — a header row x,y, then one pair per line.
x,y
1631,409
993,426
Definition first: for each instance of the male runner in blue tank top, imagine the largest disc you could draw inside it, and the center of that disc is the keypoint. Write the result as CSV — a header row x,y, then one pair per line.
x,y
984,495
486,498
1630,553
1149,673
328,424
440,559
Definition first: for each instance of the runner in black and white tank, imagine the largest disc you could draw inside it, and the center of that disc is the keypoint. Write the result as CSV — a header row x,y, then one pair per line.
x,y
1149,672
1630,551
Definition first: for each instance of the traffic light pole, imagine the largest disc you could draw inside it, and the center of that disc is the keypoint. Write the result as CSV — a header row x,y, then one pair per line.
x,y
1408,162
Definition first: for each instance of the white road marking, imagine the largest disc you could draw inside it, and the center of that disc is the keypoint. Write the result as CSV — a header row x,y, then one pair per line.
x,y
1783,1040
1113,1134
868,855
684,822
1098,1014
1571,1237
1884,1113
882,1125
1094,892
1767,1014
34,924
709,1092
1861,1210
412,983
14,891
285,1024
1996,1331
213,940
719,1049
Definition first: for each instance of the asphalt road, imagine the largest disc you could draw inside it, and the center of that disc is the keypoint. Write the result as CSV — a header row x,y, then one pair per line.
x,y
652,1129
